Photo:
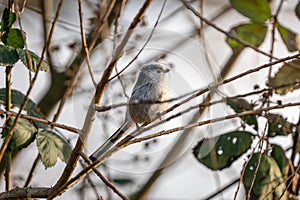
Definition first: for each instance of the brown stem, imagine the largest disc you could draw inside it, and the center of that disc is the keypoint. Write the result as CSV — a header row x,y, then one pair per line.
x,y
30,175
61,185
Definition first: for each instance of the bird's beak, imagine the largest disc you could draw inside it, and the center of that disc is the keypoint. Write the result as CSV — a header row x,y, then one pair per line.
x,y
167,70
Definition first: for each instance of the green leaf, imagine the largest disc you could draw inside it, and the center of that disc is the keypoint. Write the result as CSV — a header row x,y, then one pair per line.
x,y
297,10
17,99
288,37
252,33
220,152
123,181
256,10
23,134
268,183
287,78
240,105
35,59
8,18
279,156
277,125
14,38
51,146
8,55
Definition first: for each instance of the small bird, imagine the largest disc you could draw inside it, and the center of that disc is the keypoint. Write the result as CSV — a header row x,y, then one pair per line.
x,y
150,86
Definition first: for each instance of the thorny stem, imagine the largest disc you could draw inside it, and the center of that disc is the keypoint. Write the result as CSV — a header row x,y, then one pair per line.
x,y
201,123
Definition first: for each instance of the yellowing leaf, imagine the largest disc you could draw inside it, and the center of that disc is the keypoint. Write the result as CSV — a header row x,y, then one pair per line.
x,y
289,38
23,134
287,79
34,60
51,146
268,179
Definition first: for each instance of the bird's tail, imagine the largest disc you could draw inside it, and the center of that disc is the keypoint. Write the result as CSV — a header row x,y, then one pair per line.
x,y
111,140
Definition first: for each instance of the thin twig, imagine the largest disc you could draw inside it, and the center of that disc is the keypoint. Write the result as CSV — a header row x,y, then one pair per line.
x,y
77,63
244,168
201,123
124,142
8,182
246,44
43,121
102,177
202,92
145,44
62,183
203,42
274,27
291,181
30,174
84,44
87,170
222,189
99,197
260,146
115,42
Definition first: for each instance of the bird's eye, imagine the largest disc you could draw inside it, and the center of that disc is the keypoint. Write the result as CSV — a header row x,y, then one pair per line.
x,y
158,71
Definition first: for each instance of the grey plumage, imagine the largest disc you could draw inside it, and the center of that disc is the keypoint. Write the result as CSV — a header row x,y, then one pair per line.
x,y
150,86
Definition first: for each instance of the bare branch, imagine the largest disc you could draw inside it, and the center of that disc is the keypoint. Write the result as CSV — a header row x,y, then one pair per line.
x,y
62,183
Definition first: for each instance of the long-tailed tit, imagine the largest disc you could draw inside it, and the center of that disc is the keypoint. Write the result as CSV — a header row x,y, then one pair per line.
x,y
150,86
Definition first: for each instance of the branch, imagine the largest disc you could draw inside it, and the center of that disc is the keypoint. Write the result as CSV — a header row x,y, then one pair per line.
x,y
26,192
43,121
246,44
222,189
30,174
65,185
214,120
178,145
124,142
102,177
84,44
75,67
61,185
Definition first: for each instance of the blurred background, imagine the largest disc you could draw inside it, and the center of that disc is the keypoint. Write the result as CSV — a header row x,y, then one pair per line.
x,y
196,56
